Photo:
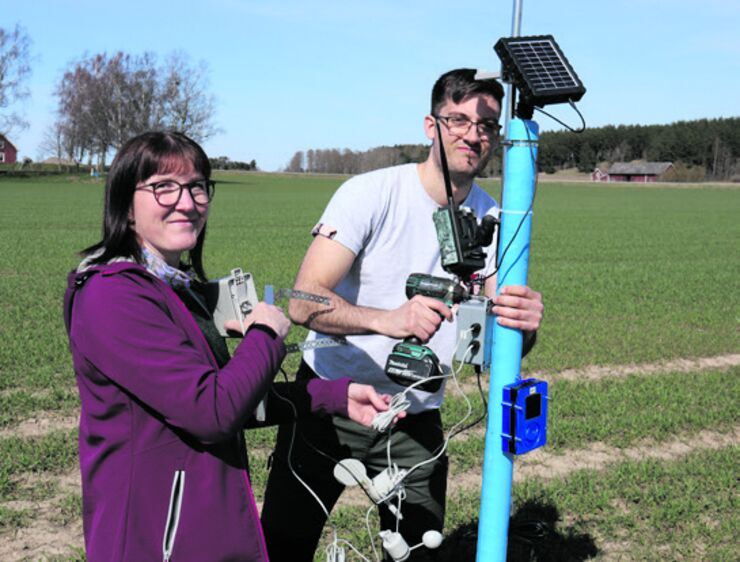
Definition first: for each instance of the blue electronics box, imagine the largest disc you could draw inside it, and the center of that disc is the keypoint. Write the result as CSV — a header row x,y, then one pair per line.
x,y
525,416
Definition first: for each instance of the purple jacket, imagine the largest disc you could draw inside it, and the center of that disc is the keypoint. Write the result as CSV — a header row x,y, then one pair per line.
x,y
162,452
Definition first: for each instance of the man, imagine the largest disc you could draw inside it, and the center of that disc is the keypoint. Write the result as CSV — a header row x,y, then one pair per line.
x,y
377,230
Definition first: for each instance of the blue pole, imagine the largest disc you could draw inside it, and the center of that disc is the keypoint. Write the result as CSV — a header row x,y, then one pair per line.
x,y
506,356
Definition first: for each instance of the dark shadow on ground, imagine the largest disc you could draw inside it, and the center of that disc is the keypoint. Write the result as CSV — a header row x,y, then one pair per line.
x,y
532,538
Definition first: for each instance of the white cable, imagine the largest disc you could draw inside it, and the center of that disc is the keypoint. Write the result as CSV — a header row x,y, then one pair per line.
x,y
382,422
401,497
399,403
349,544
334,552
370,532
453,374
290,454
451,431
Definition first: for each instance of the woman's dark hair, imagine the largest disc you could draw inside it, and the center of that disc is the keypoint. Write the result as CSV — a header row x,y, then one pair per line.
x,y
461,83
140,158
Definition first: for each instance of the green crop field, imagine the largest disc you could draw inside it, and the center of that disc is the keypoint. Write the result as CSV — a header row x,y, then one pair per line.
x,y
640,342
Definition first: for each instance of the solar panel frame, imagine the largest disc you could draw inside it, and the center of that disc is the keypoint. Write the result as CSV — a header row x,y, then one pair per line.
x,y
537,67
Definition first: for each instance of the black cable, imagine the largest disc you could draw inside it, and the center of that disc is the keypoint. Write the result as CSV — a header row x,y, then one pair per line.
x,y
500,259
573,105
483,416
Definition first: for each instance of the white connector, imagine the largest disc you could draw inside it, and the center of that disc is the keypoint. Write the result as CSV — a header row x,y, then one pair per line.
x,y
398,549
388,483
335,553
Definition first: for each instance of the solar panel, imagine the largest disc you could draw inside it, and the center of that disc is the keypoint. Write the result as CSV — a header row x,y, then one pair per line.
x,y
537,67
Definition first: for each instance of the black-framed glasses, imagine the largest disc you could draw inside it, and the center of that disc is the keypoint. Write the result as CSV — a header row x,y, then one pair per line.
x,y
168,192
460,125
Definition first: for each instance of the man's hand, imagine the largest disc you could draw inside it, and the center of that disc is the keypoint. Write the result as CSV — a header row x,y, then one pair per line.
x,y
364,403
518,307
420,316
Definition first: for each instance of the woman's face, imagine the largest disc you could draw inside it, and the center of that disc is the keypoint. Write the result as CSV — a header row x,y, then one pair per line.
x,y
168,230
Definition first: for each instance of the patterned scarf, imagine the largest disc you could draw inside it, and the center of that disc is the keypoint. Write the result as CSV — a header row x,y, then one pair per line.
x,y
175,278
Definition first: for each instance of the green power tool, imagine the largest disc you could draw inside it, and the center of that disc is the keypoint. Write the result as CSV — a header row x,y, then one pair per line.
x,y
410,361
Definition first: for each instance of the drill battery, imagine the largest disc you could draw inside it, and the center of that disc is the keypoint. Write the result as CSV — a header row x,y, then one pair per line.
x,y
411,362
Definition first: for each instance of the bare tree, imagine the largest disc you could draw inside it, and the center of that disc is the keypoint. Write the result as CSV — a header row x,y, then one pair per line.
x,y
296,163
52,142
15,68
185,102
311,160
105,100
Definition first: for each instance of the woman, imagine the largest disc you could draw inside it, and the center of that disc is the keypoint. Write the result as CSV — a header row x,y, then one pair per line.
x,y
162,453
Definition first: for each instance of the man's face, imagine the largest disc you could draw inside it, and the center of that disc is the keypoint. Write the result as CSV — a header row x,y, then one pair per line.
x,y
467,151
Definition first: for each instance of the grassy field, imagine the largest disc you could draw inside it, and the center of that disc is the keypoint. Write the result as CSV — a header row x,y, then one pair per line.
x,y
632,277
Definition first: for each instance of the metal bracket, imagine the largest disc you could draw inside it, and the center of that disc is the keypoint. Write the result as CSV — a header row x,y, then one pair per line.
x,y
329,341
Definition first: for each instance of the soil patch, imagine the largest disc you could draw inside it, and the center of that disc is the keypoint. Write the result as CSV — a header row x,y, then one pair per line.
x,y
720,362
39,425
48,534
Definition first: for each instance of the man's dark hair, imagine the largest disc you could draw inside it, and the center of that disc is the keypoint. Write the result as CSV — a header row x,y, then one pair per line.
x,y
459,84
138,159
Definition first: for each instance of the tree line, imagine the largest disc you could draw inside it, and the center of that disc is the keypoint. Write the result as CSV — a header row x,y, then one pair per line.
x,y
105,99
710,146
224,163
703,149
346,161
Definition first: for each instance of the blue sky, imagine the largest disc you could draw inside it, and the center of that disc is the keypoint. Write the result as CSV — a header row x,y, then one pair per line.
x,y
297,74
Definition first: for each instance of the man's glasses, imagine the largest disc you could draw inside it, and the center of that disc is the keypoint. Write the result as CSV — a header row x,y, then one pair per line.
x,y
460,125
167,193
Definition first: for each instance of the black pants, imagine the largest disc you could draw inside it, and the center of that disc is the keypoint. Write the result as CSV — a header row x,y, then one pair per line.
x,y
293,520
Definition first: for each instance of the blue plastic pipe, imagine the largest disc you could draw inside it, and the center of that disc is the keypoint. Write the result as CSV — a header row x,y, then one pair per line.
x,y
506,354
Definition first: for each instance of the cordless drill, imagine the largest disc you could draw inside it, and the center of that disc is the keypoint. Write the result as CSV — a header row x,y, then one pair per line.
x,y
410,361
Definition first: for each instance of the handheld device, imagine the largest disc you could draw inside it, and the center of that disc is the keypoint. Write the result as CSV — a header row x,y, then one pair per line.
x,y
410,361
524,416
231,298
462,239
446,290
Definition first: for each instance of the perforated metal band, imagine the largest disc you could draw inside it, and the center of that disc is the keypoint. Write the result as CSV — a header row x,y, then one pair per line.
x,y
331,341
302,295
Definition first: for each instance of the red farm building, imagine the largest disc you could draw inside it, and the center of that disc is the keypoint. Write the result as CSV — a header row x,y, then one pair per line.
x,y
637,172
8,152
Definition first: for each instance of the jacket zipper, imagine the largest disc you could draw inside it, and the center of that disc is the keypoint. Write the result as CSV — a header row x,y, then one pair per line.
x,y
173,514
248,487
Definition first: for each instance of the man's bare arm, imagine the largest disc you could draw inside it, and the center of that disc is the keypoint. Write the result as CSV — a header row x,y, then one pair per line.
x,y
324,266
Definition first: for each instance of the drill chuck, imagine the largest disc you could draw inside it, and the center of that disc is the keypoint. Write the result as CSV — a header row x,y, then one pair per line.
x,y
446,290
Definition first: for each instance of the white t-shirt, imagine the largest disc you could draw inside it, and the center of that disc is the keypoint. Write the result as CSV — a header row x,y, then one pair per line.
x,y
385,218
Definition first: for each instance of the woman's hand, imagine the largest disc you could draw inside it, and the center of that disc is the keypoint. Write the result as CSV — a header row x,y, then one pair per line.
x,y
364,403
266,314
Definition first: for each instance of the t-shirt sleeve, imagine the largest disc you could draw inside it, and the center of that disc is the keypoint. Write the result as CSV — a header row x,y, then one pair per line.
x,y
352,213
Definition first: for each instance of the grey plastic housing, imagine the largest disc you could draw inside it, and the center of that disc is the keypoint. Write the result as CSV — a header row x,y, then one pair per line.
x,y
473,318
231,298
